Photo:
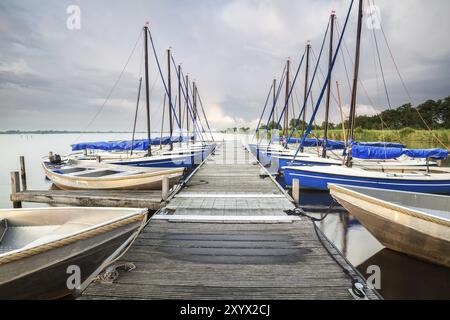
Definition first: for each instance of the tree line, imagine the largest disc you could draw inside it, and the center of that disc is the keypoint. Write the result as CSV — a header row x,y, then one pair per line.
x,y
436,114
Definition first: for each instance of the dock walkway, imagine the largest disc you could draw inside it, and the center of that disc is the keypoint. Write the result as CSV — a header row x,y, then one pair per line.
x,y
225,236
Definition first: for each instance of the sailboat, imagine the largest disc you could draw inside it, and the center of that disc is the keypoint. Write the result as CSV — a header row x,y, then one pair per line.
x,y
318,151
72,174
417,179
177,155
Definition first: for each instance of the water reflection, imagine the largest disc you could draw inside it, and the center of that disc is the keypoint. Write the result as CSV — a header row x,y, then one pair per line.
x,y
402,276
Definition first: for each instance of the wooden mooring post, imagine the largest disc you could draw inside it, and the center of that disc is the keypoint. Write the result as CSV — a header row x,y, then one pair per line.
x,y
165,188
15,187
296,191
23,175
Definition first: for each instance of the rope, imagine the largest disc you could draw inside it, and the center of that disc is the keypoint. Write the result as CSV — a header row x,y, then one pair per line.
x,y
357,287
111,90
162,78
69,240
264,109
406,89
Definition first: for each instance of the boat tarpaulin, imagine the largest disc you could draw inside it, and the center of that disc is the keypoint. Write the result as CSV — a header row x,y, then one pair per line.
x,y
381,144
368,152
140,144
314,142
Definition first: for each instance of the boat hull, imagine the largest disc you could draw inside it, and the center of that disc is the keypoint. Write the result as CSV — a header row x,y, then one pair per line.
x,y
398,230
188,160
41,271
320,181
139,181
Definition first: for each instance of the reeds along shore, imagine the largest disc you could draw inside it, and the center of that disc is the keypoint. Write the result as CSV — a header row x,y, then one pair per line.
x,y
404,135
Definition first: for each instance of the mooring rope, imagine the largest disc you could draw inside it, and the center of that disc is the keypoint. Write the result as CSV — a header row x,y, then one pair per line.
x,y
69,240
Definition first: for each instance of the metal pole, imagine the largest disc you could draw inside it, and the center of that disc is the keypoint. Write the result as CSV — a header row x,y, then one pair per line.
x,y
305,92
147,91
355,82
169,97
327,106
286,115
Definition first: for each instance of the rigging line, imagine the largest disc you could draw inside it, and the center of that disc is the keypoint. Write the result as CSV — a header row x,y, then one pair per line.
x,y
280,86
361,83
195,111
381,67
204,114
330,69
305,102
162,78
162,121
322,74
189,104
112,89
264,109
343,58
406,89
290,92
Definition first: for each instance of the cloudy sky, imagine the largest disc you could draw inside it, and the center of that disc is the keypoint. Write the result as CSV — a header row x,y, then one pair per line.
x,y
52,77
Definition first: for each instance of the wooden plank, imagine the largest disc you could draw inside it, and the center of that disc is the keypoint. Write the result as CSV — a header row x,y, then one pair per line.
x,y
220,238
99,198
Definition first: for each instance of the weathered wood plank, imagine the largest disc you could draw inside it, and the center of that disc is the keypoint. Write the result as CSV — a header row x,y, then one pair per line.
x,y
217,260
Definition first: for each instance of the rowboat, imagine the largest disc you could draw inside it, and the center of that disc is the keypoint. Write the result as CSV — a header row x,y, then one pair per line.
x,y
413,179
417,224
49,253
72,174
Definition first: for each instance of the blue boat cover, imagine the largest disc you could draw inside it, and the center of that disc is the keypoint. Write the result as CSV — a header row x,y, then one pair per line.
x,y
141,144
314,142
367,152
381,144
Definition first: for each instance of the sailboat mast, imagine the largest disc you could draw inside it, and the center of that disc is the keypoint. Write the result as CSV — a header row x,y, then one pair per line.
x,y
187,109
327,105
286,114
147,90
179,104
351,128
194,105
169,97
274,96
305,92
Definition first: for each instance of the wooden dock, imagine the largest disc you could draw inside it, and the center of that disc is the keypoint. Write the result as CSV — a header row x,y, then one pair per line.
x,y
226,236
150,199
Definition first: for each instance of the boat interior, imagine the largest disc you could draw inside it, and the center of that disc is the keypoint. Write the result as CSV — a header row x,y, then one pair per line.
x,y
24,228
434,205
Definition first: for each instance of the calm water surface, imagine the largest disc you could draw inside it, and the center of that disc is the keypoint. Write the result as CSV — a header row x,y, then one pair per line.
x,y
402,277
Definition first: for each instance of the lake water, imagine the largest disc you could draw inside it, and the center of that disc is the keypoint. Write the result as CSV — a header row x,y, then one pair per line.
x,y
402,277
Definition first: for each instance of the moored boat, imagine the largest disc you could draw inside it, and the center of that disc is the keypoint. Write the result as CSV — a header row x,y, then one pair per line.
x,y
50,253
72,174
413,223
415,179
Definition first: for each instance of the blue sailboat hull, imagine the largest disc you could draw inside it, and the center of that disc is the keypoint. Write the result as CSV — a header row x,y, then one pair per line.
x,y
319,181
188,160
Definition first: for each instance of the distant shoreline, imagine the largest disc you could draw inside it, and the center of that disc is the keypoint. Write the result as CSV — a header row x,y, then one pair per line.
x,y
63,132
